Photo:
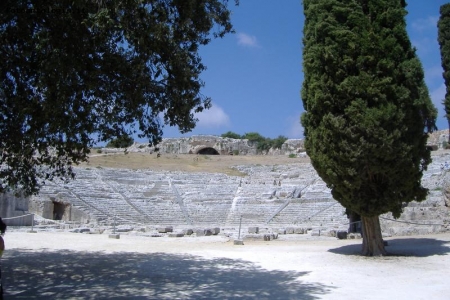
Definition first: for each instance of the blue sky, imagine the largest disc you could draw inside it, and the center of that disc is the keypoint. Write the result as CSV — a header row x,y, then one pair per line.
x,y
254,76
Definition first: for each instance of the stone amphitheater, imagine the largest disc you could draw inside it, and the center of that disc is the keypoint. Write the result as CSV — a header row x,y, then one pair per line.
x,y
275,198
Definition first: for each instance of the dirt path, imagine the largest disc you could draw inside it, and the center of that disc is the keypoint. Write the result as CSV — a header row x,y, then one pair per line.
x,y
58,265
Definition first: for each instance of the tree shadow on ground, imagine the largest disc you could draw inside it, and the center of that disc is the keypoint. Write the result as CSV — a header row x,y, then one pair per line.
x,y
97,275
418,247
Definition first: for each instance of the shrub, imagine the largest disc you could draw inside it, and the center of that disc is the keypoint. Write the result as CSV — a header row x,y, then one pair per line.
x,y
121,142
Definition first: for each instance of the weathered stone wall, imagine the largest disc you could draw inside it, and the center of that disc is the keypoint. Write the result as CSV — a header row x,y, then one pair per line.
x,y
57,208
198,144
226,146
12,206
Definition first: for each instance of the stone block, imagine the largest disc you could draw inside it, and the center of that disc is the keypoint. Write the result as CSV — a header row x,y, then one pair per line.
x,y
200,232
342,235
114,236
299,230
253,230
176,234
165,229
331,233
203,232
354,236
238,242
290,230
188,231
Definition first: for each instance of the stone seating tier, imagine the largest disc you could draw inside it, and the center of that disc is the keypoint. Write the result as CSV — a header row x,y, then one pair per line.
x,y
175,198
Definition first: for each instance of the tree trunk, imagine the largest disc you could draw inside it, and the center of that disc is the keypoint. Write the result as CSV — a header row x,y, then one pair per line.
x,y
373,244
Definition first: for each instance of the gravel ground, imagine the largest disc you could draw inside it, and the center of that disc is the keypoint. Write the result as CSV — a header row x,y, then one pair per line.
x,y
63,265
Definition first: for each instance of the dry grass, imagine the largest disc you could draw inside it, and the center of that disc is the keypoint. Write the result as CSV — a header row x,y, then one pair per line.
x,y
187,162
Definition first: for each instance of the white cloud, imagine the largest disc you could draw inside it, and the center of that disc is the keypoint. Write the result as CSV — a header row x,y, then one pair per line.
x,y
247,40
213,117
423,24
295,128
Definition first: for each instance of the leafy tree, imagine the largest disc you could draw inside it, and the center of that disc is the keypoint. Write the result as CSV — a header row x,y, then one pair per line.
x,y
262,143
279,141
76,72
121,142
231,135
253,137
444,44
367,109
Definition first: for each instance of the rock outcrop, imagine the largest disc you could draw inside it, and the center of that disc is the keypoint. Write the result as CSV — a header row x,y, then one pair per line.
x,y
210,144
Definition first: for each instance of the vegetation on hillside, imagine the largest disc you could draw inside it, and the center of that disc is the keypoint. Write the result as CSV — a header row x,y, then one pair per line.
x,y
121,142
263,143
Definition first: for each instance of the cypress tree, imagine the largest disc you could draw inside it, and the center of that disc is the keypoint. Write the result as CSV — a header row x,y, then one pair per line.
x,y
444,44
367,109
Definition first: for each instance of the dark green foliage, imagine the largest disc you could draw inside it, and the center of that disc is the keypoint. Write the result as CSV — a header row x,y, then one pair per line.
x,y
367,107
231,135
263,144
444,44
121,142
73,73
279,141
253,137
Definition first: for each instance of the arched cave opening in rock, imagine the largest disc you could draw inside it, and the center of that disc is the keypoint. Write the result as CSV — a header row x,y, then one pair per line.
x,y
208,151
59,210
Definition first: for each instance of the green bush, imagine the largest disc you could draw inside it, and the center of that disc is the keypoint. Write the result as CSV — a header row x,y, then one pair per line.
x,y
262,143
121,142
231,135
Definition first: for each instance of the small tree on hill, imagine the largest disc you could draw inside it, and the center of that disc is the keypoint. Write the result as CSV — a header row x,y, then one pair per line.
x,y
368,111
279,141
121,142
231,135
444,44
